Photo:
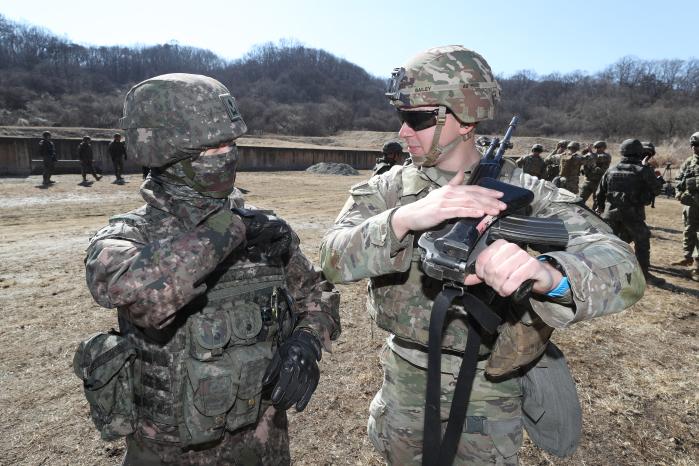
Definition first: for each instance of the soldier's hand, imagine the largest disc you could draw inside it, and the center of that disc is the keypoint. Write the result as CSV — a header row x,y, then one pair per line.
x,y
453,200
295,370
504,266
265,232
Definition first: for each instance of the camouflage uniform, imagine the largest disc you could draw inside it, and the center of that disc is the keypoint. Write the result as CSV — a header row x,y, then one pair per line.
x,y
533,164
553,160
362,244
203,306
117,152
569,167
688,193
48,155
86,163
624,191
594,166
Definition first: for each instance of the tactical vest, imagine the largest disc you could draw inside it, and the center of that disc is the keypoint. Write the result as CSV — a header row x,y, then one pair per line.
x,y
625,186
202,374
534,166
401,302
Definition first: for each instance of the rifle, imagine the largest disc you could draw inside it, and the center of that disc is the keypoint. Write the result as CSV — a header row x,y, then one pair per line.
x,y
449,254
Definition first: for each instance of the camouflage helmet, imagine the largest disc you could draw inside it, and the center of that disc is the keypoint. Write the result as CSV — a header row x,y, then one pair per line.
x,y
392,147
168,117
648,148
563,143
599,145
537,148
45,134
694,139
450,76
631,148
86,139
573,145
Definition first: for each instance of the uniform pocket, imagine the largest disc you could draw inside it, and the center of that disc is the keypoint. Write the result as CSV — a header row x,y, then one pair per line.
x,y
253,362
104,363
376,426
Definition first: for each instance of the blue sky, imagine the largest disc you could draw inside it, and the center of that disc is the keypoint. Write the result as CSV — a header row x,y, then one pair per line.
x,y
539,35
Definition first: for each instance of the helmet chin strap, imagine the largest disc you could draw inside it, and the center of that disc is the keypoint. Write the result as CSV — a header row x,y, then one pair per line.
x,y
436,150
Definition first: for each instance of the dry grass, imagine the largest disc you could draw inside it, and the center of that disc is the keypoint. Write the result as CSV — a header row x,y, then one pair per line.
x,y
636,371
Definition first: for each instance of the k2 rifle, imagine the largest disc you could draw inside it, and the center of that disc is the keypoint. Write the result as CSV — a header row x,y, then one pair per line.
x,y
449,254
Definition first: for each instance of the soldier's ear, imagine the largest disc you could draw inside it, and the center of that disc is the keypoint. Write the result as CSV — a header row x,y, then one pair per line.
x,y
466,128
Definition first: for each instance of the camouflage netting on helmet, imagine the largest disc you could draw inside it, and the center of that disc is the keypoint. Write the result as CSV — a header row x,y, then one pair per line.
x,y
168,115
453,76
324,168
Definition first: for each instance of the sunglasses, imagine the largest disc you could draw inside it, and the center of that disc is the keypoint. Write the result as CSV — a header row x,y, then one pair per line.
x,y
419,119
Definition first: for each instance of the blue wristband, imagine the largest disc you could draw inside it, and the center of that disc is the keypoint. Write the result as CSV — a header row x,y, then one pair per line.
x,y
560,290
562,287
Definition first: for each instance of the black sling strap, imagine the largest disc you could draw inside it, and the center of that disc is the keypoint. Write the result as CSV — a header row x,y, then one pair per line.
x,y
437,451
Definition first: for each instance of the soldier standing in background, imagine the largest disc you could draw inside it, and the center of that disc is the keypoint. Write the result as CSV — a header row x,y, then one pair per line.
x,y
47,151
533,164
552,161
621,197
86,163
391,151
441,95
570,163
688,194
648,154
117,152
221,316
595,163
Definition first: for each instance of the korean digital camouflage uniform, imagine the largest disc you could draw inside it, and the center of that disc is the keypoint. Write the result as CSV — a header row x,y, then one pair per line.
x,y
202,311
533,164
603,273
688,194
623,192
594,166
569,167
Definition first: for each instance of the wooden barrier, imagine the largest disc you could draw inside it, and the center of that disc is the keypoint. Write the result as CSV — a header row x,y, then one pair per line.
x,y
19,156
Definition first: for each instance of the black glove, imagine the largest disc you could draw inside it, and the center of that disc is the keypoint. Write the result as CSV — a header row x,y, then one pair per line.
x,y
295,367
266,232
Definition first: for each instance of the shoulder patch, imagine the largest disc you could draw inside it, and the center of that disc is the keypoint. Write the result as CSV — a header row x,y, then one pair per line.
x,y
362,189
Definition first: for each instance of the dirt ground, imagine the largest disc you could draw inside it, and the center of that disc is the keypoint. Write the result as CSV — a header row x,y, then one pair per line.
x,y
637,371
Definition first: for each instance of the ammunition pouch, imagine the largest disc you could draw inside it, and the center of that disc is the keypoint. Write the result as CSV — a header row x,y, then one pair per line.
x,y
104,362
225,366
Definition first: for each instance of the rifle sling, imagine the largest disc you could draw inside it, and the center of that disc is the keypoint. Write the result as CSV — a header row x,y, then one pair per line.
x,y
437,451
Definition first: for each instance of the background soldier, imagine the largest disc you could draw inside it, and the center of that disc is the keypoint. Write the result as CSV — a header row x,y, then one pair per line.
x,y
688,194
594,165
86,162
533,164
222,318
648,154
117,152
621,196
570,163
375,237
552,161
47,151
391,152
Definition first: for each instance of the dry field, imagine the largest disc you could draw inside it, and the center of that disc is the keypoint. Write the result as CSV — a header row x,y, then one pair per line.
x,y
637,371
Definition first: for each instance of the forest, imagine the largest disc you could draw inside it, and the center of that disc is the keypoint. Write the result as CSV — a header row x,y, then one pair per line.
x,y
288,88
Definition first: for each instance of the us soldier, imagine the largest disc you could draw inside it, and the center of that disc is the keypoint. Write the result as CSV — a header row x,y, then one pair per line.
x,y
391,151
48,156
594,165
117,152
86,162
441,95
569,171
688,194
221,316
552,161
533,164
648,154
621,196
